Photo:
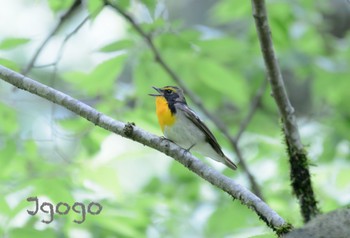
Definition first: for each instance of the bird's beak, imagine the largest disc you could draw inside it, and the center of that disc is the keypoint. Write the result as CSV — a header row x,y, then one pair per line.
x,y
158,90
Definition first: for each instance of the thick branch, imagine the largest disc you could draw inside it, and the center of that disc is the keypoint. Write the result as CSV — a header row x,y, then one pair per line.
x,y
219,124
300,175
130,131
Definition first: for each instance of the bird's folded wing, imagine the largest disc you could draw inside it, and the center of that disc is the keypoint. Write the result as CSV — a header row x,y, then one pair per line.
x,y
198,122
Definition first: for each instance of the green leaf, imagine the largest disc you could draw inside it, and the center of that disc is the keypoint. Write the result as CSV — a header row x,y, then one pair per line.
x,y
100,80
31,232
10,43
151,4
59,5
227,11
150,72
117,45
171,41
9,64
10,167
61,184
94,7
222,49
124,4
9,116
220,78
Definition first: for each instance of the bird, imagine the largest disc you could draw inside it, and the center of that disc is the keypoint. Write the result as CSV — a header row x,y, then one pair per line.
x,y
182,125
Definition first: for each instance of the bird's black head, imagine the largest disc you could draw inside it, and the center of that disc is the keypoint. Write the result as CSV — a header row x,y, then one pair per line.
x,y
172,94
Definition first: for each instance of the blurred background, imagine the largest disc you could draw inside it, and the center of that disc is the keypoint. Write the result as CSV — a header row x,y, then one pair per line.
x,y
96,56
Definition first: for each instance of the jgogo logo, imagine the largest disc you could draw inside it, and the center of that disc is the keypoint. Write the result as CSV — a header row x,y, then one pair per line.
x,y
63,208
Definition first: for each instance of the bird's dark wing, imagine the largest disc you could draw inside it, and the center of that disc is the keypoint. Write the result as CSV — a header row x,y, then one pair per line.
x,y
198,122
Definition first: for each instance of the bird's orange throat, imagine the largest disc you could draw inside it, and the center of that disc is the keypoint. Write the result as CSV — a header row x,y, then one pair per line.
x,y
165,117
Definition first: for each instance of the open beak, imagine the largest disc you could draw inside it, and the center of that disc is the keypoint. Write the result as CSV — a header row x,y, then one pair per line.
x,y
158,90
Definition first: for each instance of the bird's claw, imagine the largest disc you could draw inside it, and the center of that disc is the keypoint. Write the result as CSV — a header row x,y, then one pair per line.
x,y
162,138
188,150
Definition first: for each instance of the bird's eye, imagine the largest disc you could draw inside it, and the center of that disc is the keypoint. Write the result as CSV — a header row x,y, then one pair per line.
x,y
169,91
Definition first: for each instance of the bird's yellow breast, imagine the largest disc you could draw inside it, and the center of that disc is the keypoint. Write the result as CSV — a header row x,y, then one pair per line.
x,y
165,117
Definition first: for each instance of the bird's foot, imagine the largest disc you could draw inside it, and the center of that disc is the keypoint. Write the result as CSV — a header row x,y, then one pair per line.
x,y
162,138
188,150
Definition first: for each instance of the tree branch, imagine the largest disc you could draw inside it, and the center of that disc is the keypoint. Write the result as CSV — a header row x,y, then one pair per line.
x,y
254,105
300,175
219,124
59,24
130,131
67,37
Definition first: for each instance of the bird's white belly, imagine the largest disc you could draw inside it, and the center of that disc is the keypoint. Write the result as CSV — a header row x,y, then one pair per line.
x,y
184,133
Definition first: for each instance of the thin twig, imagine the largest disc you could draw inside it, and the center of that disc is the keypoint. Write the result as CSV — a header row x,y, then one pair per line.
x,y
219,124
130,131
59,24
55,69
67,37
60,51
254,105
300,175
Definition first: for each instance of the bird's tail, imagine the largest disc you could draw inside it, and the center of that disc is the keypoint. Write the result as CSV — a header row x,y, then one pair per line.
x,y
230,164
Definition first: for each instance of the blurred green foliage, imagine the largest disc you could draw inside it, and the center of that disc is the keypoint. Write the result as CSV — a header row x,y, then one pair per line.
x,y
46,151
